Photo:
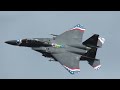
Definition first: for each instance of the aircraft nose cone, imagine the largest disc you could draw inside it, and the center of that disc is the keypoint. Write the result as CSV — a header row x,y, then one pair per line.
x,y
12,42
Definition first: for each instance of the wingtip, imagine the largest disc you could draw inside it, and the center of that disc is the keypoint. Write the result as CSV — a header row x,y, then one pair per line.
x,y
72,70
79,27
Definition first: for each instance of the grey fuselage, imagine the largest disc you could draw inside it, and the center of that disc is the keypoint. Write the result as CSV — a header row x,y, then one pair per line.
x,y
49,46
52,47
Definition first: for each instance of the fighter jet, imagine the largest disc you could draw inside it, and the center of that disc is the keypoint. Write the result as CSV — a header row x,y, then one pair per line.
x,y
66,48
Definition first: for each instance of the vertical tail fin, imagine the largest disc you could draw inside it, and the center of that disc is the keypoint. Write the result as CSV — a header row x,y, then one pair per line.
x,y
90,57
94,41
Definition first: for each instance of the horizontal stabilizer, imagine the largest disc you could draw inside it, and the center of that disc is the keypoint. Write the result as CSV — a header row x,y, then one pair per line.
x,y
95,63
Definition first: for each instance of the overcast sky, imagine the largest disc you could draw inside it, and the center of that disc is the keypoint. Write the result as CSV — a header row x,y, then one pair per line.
x,y
24,63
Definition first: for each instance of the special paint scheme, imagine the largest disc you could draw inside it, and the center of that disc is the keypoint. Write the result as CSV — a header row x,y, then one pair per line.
x,y
66,48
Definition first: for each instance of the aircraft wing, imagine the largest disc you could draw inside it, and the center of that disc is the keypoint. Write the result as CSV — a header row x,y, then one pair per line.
x,y
71,36
69,61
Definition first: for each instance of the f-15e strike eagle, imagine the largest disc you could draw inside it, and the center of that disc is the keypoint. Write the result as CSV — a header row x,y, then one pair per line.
x,y
66,48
